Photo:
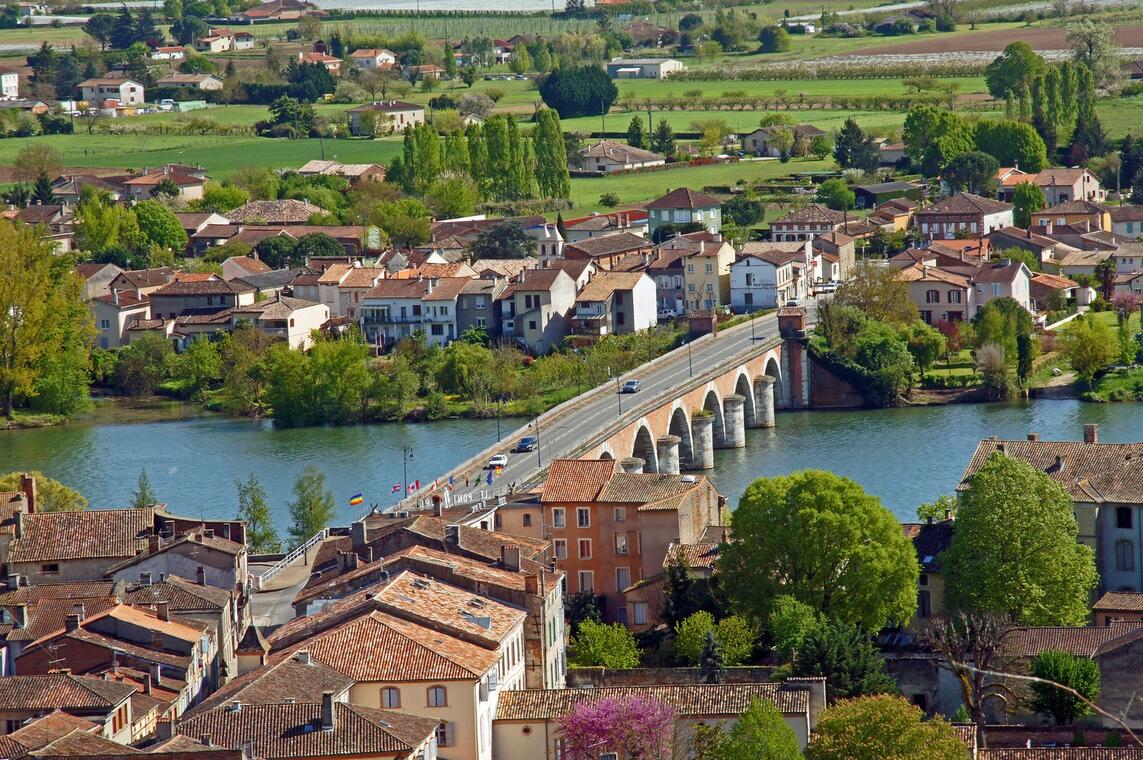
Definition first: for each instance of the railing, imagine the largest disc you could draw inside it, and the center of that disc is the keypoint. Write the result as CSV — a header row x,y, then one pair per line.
x,y
284,562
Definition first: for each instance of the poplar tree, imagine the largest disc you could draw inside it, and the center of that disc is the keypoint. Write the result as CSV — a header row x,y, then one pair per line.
x,y
551,156
478,157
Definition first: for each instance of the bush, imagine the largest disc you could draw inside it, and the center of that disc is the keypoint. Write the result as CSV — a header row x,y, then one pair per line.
x,y
611,200
580,91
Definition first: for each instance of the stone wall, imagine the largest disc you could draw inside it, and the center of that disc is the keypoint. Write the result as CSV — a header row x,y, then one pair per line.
x,y
827,391
581,677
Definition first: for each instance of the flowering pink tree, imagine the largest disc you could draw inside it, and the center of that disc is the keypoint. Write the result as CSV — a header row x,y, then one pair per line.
x,y
638,728
1125,304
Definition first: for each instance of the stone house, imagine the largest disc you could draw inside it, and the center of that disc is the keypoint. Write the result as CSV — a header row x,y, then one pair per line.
x,y
962,214
764,278
632,220
219,562
1003,279
114,314
940,295
806,223
1070,184
615,303
605,250
384,116
535,311
683,207
608,156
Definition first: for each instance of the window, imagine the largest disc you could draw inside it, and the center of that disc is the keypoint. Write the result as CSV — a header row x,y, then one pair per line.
x,y
710,267
437,697
583,517
1123,518
622,578
527,520
586,580
444,733
105,324
621,514
561,548
639,613
390,697
954,296
710,287
621,543
50,568
609,756
924,603
585,548
531,324
995,289
437,329
1124,555
932,296
558,517
690,267
749,279
748,299
691,287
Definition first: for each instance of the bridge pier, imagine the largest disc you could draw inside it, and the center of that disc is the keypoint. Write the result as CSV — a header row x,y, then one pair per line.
x,y
734,425
702,442
632,465
668,447
764,401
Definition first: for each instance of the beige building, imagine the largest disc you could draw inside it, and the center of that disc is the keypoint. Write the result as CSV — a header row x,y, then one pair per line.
x,y
290,319
706,260
527,722
608,156
127,92
536,310
115,313
384,116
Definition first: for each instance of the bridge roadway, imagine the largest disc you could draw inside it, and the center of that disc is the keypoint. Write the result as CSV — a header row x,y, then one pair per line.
x,y
573,428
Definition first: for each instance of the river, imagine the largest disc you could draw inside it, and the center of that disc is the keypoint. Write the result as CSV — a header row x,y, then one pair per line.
x,y
904,456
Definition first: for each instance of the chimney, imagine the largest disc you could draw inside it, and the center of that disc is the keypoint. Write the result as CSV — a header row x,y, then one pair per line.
x,y
510,557
209,532
154,543
145,579
71,622
1059,463
164,729
30,490
303,656
200,575
80,610
157,674
236,706
1000,447
115,297
205,739
1091,433
163,610
532,584
1033,437
146,683
328,722
452,534
13,582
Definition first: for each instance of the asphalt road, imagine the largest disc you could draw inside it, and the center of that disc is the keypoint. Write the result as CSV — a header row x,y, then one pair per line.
x,y
560,438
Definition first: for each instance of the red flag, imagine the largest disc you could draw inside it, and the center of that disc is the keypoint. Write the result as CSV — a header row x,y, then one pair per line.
x,y
396,488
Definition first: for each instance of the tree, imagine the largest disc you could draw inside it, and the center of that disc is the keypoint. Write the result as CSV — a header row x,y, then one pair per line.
x,y
143,364
1090,346
970,643
1105,273
277,252
1093,44
143,496
1040,574
199,365
835,193
925,343
973,172
100,27
506,240
312,507
450,197
636,133
877,292
254,510
806,535
51,495
712,668
742,211
1013,69
1002,321
760,734
663,139
633,727
790,623
160,225
581,607
405,220
34,161
317,245
548,145
1089,138
774,39
820,147
1012,143
604,645
846,657
1027,198
992,366
933,136
521,62
883,727
579,91
40,309
853,150
1079,673
944,508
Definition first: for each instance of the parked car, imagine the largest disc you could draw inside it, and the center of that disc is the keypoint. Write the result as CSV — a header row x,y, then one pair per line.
x,y
527,443
631,386
497,460
793,302
666,315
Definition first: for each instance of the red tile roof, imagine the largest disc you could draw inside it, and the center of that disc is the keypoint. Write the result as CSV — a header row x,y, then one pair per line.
x,y
688,701
578,480
1091,641
96,533
684,197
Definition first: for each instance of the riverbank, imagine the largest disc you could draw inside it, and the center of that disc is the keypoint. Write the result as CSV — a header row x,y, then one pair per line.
x,y
30,420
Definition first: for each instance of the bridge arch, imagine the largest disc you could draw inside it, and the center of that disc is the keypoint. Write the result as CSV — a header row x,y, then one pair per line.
x,y
644,448
606,454
745,388
681,426
775,371
713,404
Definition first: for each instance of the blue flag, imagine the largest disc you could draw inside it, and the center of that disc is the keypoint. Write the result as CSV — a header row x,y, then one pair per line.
x,y
488,480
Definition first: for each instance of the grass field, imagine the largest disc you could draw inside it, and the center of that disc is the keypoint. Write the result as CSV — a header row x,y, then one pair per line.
x,y
220,156
659,88
638,188
877,122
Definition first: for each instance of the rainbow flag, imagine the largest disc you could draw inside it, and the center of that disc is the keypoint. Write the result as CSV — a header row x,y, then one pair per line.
x,y
356,499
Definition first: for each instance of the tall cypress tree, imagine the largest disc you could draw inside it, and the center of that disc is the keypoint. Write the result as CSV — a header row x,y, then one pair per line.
x,y
551,156
500,170
478,157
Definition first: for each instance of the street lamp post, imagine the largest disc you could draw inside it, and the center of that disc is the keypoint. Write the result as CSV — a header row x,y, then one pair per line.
x,y
619,394
499,403
690,363
539,457
406,455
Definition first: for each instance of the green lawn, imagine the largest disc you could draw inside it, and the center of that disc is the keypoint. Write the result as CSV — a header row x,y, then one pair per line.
x,y
660,88
877,122
642,187
33,36
220,156
1121,115
959,364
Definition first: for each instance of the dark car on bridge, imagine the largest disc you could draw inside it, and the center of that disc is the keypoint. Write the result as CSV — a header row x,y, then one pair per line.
x,y
527,443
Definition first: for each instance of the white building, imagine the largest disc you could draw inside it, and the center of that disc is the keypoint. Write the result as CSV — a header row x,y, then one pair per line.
x,y
643,68
127,91
1003,279
373,58
765,278
9,84
615,302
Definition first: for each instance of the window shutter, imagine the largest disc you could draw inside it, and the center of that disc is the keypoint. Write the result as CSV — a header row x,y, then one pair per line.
x,y
450,733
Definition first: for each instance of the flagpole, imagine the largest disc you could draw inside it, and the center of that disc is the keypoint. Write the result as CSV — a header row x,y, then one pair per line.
x,y
405,451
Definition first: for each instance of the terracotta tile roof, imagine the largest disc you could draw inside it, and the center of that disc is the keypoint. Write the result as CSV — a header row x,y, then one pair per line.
x,y
94,533
1074,207
180,594
608,245
613,220
178,743
43,731
1062,753
84,744
295,676
442,606
620,152
446,289
271,212
684,197
701,555
397,288
277,308
50,615
1126,213
577,480
295,730
209,544
504,267
201,288
999,271
688,701
10,748
248,264
966,203
604,283
1080,258
113,644
1061,176
11,505
929,540
124,299
387,106
380,647
770,256
60,692
485,543
1091,641
362,277
1024,236
648,488
1048,281
814,213
1089,472
534,280
1126,601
